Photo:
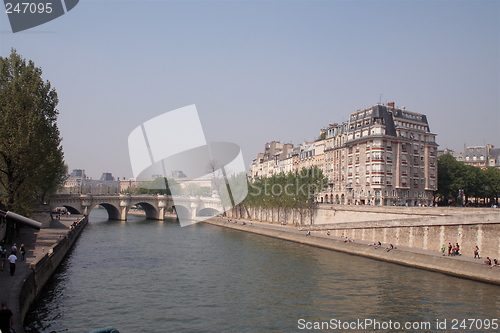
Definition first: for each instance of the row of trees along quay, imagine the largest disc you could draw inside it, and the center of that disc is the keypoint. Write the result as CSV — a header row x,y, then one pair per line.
x,y
283,194
462,184
32,164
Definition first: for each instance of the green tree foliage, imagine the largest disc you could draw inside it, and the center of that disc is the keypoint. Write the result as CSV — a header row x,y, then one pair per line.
x,y
287,192
159,185
31,157
475,182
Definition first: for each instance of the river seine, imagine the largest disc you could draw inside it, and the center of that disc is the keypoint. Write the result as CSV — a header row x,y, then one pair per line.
x,y
144,276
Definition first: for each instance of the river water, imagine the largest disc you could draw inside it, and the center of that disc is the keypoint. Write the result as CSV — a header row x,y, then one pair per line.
x,y
151,276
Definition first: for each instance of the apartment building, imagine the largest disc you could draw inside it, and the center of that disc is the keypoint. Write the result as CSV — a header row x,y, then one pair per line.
x,y
383,155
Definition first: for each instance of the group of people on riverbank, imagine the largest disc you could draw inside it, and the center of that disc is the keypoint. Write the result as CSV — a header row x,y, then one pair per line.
x,y
454,250
236,222
12,258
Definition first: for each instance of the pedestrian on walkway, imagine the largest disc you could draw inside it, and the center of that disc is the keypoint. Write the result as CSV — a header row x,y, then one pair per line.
x,y
3,257
12,262
6,321
476,253
450,247
443,249
22,249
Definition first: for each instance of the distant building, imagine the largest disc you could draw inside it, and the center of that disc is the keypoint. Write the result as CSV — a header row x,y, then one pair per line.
x,y
107,176
479,156
78,182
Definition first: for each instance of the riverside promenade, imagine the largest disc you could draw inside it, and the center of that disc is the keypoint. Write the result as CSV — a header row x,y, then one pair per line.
x,y
464,266
39,244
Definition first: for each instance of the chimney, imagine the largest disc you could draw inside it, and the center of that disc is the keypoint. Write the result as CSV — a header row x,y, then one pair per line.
x,y
390,104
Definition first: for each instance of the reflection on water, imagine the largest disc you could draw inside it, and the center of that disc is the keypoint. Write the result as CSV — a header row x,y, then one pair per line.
x,y
151,276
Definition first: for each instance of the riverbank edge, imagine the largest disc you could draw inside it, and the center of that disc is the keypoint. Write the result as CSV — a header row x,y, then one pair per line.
x,y
436,263
43,268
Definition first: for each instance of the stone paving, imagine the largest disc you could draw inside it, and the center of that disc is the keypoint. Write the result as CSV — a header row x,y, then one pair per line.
x,y
37,243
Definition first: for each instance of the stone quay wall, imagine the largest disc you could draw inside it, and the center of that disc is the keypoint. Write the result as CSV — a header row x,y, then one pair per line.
x,y
44,267
426,228
474,270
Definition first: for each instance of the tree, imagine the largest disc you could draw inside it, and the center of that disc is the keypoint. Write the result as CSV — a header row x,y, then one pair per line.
x,y
159,185
493,183
31,156
291,192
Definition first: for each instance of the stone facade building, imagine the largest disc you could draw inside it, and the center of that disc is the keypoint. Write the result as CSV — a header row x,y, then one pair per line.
x,y
382,155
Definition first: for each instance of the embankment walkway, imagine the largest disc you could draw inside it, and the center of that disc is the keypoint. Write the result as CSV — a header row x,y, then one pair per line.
x,y
464,266
38,243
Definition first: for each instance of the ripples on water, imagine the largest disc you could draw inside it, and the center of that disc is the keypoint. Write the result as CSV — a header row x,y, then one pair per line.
x,y
149,276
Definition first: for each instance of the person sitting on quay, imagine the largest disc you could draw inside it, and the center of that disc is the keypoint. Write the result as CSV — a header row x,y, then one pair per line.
x,y
495,263
389,248
328,233
378,245
487,261
308,233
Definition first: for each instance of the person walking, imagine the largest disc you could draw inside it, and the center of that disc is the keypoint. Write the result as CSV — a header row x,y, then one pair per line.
x,y
6,321
3,257
12,262
476,253
22,249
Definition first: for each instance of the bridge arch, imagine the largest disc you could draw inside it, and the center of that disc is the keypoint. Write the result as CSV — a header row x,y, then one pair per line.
x,y
182,212
208,212
113,212
72,210
150,210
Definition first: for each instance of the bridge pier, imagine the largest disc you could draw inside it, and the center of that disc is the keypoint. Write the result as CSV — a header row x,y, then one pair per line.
x,y
86,202
124,206
162,205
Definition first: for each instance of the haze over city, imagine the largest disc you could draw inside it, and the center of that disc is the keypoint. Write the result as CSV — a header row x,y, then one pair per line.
x,y
263,71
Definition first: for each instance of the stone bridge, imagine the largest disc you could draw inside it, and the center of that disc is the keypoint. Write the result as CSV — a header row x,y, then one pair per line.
x,y
155,206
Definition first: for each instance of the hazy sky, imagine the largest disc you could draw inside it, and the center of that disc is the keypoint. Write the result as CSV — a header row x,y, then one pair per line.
x,y
263,70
